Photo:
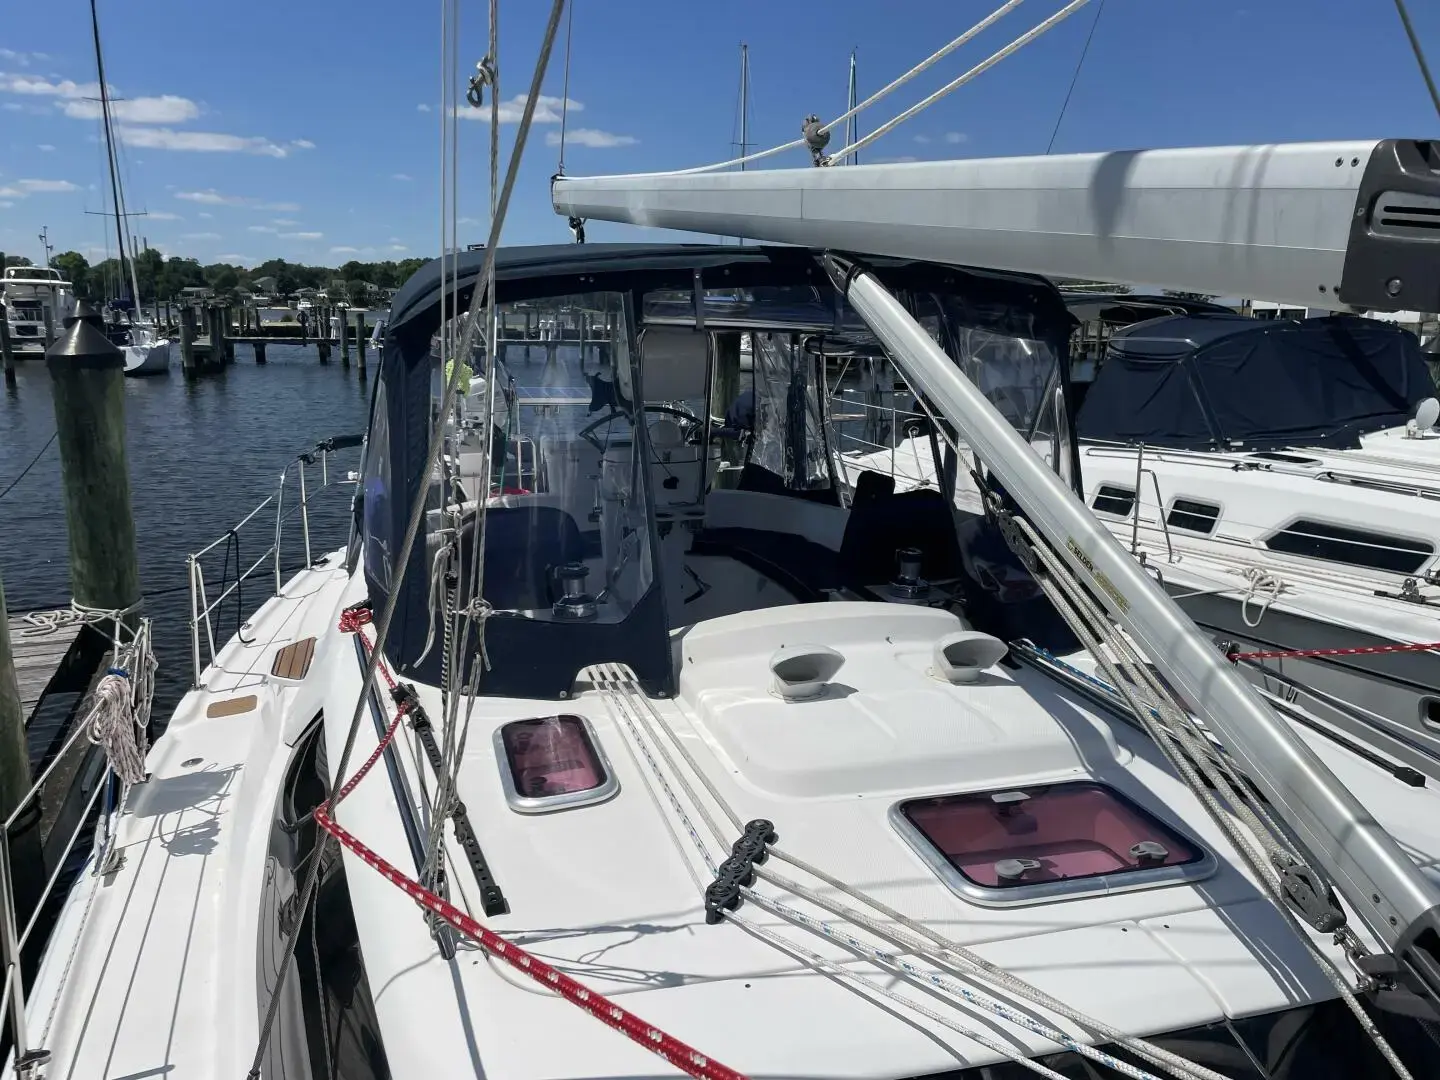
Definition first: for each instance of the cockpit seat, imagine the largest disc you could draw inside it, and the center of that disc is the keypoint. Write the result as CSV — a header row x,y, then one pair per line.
x,y
523,547
881,523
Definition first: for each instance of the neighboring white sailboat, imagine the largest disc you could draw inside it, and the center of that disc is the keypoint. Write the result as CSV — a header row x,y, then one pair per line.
x,y
146,351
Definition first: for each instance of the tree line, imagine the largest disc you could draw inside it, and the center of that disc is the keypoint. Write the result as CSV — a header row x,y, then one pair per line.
x,y
161,278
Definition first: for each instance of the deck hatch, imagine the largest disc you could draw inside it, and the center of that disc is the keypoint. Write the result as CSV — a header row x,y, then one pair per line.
x,y
552,763
1047,842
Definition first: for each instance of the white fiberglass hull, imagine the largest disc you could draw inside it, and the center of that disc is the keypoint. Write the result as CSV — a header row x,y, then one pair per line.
x,y
151,359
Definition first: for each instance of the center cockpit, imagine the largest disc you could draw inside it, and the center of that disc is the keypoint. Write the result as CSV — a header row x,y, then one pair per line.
x,y
653,446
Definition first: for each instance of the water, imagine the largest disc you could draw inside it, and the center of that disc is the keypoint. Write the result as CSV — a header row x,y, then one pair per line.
x,y
201,457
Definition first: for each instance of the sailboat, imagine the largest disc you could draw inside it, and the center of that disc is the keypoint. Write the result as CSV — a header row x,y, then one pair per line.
x,y
577,762
146,351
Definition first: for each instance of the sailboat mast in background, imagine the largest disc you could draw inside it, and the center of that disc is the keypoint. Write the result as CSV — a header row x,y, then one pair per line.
x,y
852,130
113,163
744,102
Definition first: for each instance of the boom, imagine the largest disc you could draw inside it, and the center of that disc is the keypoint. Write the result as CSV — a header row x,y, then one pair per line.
x,y
1330,224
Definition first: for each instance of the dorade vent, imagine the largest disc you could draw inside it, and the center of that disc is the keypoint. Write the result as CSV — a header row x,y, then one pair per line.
x,y
802,672
1193,515
961,657
552,763
1114,499
1046,842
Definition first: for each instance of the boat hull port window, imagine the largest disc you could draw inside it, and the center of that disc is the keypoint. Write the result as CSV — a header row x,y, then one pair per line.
x,y
1047,842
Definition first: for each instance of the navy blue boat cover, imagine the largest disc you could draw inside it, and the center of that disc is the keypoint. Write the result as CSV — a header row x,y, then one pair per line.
x,y
1203,382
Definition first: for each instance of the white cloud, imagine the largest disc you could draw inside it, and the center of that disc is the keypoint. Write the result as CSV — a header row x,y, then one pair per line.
x,y
203,141
547,110
23,59
394,239
45,148
468,221
955,138
204,214
21,188
398,247
5,204
234,257
165,215
422,108
38,87
211,197
262,229
284,222
401,176
302,236
10,106
592,137
81,101
165,109
200,236
302,144
344,251
922,138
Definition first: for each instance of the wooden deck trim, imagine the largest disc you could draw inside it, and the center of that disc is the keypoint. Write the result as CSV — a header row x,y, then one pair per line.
x,y
292,663
234,706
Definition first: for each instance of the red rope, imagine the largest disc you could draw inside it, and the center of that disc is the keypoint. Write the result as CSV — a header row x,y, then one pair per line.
x,y
1355,650
685,1058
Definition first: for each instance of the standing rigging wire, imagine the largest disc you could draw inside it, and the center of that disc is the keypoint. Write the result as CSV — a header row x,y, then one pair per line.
x,y
564,94
955,84
1419,54
417,509
1084,52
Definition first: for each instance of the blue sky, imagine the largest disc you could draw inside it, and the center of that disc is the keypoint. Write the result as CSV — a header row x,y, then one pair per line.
x,y
310,129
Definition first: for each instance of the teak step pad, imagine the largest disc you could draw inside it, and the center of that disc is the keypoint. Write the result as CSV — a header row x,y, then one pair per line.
x,y
293,661
231,706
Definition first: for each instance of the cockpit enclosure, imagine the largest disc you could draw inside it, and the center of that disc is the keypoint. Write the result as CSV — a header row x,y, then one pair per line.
x,y
623,419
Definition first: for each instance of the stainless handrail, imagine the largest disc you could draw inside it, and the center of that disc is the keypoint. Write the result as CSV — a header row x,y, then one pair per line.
x,y
202,607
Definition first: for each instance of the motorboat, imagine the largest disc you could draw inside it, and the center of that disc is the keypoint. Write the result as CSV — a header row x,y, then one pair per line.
x,y
619,752
30,294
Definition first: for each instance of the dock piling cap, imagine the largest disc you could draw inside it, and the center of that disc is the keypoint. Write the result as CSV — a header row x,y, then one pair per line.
x,y
85,312
83,344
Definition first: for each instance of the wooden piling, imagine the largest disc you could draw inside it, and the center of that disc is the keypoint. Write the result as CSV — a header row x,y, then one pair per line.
x,y
360,339
87,377
7,354
343,332
322,349
259,347
187,340
227,349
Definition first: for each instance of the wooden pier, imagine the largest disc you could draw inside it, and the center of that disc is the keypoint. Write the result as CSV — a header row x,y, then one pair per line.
x,y
48,652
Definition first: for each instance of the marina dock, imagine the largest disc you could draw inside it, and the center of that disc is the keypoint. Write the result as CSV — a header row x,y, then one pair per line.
x,y
47,648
